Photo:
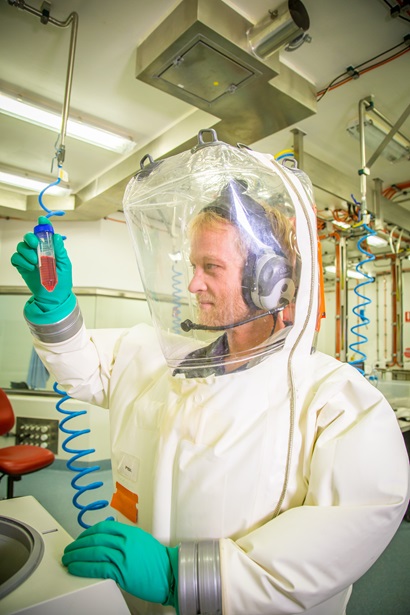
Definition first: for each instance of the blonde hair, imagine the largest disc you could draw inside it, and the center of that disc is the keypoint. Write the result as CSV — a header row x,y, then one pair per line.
x,y
284,232
282,229
211,219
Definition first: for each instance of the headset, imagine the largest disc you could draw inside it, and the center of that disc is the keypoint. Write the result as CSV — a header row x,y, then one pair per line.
x,y
267,279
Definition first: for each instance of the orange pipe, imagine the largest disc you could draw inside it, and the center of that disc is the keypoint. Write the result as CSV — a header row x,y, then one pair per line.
x,y
321,312
394,360
338,306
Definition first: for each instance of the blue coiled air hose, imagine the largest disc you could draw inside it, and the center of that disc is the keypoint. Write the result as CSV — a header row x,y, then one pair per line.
x,y
77,454
176,298
359,309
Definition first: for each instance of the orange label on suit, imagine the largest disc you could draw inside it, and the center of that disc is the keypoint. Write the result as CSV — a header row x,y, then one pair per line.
x,y
125,501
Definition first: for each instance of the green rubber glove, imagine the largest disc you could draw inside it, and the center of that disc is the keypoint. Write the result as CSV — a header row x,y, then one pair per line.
x,y
140,564
45,307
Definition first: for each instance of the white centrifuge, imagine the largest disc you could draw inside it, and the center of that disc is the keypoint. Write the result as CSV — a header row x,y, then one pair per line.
x,y
33,581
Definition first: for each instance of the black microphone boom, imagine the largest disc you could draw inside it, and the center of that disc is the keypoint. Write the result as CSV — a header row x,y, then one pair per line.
x,y
188,325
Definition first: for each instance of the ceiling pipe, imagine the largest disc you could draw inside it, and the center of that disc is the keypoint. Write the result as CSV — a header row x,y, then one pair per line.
x,y
364,171
72,20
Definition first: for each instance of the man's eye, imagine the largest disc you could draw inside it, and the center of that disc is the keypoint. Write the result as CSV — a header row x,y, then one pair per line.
x,y
211,266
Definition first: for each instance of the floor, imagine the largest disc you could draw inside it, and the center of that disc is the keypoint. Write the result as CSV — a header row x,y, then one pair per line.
x,y
383,590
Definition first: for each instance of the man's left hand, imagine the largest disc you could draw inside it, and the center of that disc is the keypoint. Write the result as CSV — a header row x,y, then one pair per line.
x,y
140,564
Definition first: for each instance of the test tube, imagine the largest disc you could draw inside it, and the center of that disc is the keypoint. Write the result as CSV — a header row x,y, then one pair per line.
x,y
46,256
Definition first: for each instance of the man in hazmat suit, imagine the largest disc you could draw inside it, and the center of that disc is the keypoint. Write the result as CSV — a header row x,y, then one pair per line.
x,y
253,475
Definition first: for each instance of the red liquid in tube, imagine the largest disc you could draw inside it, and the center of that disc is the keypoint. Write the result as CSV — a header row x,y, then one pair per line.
x,y
48,273
46,256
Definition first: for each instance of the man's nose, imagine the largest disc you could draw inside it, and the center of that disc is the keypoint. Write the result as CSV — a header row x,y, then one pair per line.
x,y
197,283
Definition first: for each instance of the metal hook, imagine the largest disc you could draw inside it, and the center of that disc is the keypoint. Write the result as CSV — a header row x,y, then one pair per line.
x,y
202,143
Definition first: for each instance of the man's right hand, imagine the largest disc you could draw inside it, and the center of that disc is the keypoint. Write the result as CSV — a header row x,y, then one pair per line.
x,y
25,260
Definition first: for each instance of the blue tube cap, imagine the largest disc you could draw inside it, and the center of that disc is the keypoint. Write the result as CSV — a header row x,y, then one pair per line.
x,y
43,228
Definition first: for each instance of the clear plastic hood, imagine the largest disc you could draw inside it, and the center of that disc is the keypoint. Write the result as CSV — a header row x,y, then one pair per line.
x,y
214,230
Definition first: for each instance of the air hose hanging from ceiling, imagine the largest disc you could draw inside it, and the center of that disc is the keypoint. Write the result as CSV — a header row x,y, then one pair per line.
x,y
359,310
77,455
72,21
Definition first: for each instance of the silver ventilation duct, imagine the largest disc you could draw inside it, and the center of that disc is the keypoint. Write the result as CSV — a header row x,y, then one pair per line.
x,y
285,25
201,54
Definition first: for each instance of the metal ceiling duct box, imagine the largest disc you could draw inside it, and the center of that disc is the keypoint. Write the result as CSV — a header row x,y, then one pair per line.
x,y
200,54
202,45
221,73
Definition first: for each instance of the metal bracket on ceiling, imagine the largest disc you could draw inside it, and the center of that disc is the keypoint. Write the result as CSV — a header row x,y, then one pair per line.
x,y
45,12
367,104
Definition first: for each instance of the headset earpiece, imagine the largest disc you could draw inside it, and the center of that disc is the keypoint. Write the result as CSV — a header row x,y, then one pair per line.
x,y
273,286
267,279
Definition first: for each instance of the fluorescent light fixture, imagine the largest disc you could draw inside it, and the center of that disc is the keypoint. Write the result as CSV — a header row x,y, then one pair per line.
x,y
351,273
375,130
376,241
34,114
31,184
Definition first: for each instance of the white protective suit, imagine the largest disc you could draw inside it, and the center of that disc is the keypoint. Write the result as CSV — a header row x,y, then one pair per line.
x,y
297,464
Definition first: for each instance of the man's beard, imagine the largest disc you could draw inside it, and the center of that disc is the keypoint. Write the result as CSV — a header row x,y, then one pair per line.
x,y
220,315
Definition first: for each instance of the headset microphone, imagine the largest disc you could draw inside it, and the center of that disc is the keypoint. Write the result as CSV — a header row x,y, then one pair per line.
x,y
188,325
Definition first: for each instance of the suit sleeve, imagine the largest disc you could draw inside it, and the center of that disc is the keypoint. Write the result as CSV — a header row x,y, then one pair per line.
x,y
82,365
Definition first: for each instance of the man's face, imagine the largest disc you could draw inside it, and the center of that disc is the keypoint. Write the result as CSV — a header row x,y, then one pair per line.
x,y
217,263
